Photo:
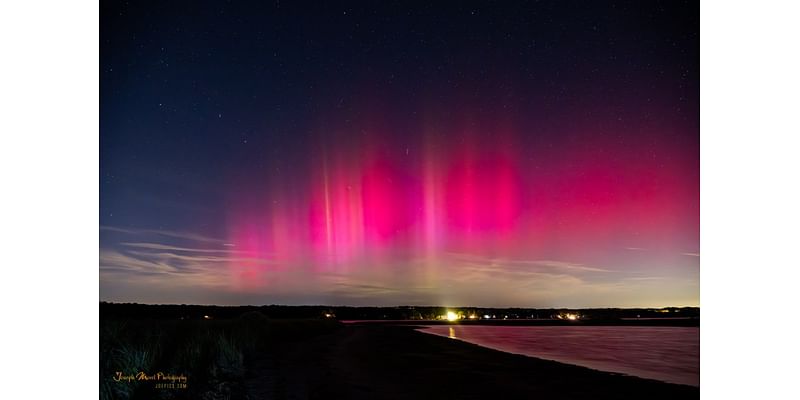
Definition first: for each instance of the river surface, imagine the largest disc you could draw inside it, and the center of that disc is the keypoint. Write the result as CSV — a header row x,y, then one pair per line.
x,y
670,354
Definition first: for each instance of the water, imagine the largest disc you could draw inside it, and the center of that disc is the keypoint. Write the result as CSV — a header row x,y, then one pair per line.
x,y
670,354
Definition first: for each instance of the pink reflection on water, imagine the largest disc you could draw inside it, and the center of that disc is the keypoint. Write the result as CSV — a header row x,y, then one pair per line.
x,y
670,354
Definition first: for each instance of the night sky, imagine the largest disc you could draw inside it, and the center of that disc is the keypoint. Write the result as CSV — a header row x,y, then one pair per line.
x,y
533,154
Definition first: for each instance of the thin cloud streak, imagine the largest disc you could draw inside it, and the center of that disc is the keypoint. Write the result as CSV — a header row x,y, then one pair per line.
x,y
172,234
158,246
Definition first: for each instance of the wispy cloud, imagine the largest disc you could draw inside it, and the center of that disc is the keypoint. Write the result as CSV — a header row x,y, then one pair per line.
x,y
691,254
644,278
117,262
195,258
159,246
166,233
166,259
532,265
353,289
562,265
540,276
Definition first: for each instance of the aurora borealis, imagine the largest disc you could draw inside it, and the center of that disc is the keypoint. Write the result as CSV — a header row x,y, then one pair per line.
x,y
482,154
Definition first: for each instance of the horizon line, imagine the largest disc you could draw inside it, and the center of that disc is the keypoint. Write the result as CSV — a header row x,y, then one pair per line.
x,y
394,306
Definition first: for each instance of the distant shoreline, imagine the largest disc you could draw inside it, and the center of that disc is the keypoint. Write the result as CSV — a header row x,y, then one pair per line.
x,y
677,322
411,314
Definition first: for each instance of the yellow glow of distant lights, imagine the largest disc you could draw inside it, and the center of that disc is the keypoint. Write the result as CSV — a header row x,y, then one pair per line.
x,y
451,316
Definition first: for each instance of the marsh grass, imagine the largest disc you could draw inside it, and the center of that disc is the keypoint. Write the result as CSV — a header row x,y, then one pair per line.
x,y
211,353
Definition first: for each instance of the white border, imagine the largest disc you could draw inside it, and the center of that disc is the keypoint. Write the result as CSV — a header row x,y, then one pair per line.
x,y
749,176
749,199
49,215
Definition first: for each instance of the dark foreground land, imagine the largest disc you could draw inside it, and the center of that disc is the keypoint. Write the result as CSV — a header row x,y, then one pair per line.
x,y
254,357
392,362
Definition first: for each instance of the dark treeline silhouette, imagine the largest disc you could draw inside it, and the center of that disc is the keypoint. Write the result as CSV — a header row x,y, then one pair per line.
x,y
411,313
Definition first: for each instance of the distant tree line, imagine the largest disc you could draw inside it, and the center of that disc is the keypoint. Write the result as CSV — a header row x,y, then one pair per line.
x,y
185,311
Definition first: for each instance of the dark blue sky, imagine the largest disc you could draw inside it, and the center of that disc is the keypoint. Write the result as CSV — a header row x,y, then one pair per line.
x,y
220,118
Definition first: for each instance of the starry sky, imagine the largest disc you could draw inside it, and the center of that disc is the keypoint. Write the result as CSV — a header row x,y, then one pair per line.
x,y
531,154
